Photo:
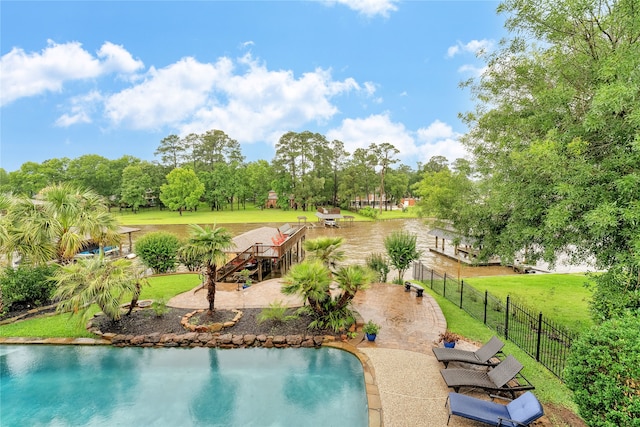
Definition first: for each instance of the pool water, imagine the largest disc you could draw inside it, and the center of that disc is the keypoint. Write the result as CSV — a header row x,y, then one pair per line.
x,y
107,386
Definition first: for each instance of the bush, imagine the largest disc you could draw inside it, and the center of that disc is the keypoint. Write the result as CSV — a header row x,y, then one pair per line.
x,y
28,285
276,312
159,307
603,371
369,212
189,260
379,263
158,251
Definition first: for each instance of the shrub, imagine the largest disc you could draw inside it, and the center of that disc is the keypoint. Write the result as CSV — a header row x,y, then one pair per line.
x,y
379,263
276,312
603,371
28,285
158,251
189,260
159,307
369,212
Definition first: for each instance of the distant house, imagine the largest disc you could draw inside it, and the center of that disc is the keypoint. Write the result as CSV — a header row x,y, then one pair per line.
x,y
272,200
408,201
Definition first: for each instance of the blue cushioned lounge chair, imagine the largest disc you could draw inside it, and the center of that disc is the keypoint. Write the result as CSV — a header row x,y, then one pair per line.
x,y
520,412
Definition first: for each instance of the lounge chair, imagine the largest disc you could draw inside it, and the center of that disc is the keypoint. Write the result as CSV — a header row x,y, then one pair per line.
x,y
499,379
482,356
519,412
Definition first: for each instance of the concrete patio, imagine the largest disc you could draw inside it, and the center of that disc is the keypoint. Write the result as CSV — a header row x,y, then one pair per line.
x,y
410,389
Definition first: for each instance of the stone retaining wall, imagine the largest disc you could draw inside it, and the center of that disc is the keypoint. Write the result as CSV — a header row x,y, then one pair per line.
x,y
195,339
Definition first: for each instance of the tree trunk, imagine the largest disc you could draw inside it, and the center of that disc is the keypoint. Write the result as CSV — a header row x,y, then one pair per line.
x,y
344,300
211,286
134,299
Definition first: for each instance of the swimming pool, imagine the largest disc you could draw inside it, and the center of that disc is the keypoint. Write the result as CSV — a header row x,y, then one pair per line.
x,y
100,386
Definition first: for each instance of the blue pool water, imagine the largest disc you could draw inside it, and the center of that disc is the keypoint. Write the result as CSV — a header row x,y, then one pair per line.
x,y
106,386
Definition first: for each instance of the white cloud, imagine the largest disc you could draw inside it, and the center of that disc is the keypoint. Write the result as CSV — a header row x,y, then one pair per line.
x,y
166,96
261,104
475,47
471,69
25,74
377,128
436,130
117,59
438,139
81,109
369,8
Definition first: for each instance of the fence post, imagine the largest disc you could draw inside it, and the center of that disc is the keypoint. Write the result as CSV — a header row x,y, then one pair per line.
x,y
486,302
539,337
506,319
461,291
444,285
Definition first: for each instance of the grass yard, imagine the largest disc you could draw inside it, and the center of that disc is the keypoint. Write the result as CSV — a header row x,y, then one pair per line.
x,y
63,325
251,214
562,298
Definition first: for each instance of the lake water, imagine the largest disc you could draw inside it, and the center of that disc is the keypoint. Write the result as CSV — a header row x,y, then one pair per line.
x,y
362,239
106,386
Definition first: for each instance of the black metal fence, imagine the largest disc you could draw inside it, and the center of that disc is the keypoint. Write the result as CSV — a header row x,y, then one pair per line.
x,y
545,341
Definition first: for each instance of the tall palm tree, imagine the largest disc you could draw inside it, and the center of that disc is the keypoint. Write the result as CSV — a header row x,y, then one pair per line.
x,y
208,245
95,280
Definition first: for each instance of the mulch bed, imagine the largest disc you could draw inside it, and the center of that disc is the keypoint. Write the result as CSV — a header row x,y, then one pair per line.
x,y
145,322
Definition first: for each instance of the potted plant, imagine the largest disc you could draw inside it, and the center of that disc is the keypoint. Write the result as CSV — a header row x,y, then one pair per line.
x,y
245,278
371,330
449,339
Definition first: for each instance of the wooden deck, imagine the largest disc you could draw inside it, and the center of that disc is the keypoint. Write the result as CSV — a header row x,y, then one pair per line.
x,y
265,251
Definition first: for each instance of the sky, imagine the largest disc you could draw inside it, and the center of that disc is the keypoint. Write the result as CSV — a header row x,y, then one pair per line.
x,y
114,78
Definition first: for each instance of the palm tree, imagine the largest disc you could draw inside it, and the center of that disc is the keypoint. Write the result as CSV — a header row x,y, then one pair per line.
x,y
27,231
208,245
325,249
59,224
311,279
352,279
402,251
80,216
94,280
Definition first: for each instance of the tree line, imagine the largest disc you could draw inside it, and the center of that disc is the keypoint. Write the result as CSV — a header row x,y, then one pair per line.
x,y
307,170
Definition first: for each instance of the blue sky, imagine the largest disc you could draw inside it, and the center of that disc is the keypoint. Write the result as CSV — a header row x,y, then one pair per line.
x,y
115,77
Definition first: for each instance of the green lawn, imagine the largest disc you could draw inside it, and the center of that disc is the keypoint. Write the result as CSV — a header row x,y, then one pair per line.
x,y
63,325
251,214
562,298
